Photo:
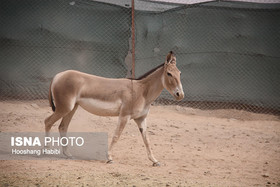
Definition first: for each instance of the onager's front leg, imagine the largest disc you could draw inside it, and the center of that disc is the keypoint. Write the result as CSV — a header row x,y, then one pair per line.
x,y
121,124
141,122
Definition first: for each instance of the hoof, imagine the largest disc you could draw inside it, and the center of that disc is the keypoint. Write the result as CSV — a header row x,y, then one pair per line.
x,y
70,157
156,164
109,162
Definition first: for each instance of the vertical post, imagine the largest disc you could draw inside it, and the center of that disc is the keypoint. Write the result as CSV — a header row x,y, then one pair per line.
x,y
133,39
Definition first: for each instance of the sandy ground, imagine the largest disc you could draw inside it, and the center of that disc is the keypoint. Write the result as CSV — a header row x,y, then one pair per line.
x,y
195,148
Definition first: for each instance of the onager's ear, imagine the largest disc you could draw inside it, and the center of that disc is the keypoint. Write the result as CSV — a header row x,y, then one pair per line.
x,y
170,58
173,60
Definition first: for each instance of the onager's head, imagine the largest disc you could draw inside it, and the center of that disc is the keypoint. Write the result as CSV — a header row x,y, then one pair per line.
x,y
171,77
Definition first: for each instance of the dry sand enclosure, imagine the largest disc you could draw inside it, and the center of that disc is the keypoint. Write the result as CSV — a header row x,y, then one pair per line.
x,y
195,148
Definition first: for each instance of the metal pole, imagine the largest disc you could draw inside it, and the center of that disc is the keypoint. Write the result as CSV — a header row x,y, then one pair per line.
x,y
133,39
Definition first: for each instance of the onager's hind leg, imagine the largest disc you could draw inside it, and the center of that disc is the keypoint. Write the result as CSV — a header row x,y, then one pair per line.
x,y
49,121
121,124
141,122
63,127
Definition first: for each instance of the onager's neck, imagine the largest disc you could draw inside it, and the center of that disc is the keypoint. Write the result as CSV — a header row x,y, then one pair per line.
x,y
152,85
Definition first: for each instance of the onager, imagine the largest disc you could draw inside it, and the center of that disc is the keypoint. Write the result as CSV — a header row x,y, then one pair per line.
x,y
126,98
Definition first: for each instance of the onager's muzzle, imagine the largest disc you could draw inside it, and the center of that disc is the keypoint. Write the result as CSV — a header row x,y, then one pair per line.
x,y
179,94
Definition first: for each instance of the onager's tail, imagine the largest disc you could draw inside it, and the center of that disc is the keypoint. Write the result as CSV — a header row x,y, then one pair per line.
x,y
51,98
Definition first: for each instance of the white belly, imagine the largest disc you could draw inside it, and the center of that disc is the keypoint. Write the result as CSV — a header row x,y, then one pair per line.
x,y
99,107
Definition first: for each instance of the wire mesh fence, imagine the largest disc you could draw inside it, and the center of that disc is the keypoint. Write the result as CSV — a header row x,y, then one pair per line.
x,y
228,52
42,38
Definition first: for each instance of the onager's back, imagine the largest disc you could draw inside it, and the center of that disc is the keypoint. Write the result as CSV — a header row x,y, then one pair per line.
x,y
128,99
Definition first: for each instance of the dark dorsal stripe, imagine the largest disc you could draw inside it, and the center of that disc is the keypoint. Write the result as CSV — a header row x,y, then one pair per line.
x,y
149,72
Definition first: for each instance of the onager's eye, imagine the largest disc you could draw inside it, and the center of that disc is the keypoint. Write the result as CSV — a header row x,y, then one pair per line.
x,y
169,74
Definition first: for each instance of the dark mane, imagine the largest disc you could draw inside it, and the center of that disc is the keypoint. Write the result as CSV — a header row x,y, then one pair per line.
x,y
149,72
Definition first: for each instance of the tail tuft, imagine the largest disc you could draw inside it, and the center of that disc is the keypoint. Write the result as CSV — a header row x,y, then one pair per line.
x,y
51,98
52,103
